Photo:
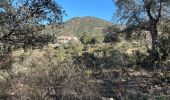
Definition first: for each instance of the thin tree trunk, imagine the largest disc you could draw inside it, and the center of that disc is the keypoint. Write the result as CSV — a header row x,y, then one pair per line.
x,y
154,34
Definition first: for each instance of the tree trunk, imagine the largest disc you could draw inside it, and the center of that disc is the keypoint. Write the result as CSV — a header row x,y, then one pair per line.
x,y
154,34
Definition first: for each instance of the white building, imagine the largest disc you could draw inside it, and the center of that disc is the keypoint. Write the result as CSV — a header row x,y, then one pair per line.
x,y
66,39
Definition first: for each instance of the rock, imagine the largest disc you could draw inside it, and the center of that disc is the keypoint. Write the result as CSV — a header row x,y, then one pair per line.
x,y
140,73
106,98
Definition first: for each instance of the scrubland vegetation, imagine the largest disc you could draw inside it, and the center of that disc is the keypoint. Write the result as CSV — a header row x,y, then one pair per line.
x,y
122,62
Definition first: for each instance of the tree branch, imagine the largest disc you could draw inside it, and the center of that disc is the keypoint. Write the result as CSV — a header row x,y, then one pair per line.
x,y
159,12
148,8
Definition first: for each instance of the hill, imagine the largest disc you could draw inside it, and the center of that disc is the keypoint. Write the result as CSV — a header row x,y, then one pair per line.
x,y
78,26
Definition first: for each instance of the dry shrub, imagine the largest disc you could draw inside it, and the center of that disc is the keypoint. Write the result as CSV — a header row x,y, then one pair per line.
x,y
62,81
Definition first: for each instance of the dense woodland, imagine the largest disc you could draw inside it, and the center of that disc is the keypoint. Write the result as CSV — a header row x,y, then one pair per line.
x,y
129,60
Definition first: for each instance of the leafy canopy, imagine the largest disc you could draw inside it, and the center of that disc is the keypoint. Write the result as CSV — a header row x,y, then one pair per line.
x,y
22,19
140,12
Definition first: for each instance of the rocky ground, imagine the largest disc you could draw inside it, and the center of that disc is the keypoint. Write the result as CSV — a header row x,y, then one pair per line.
x,y
129,84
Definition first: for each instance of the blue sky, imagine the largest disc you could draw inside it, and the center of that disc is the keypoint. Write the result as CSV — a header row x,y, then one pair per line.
x,y
103,9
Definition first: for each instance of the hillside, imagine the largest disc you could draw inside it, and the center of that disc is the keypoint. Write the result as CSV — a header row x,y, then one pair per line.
x,y
79,25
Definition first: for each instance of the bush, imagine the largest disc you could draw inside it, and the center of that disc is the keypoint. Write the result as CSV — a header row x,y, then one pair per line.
x,y
61,81
85,39
60,54
111,37
97,39
75,48
155,59
112,34
140,60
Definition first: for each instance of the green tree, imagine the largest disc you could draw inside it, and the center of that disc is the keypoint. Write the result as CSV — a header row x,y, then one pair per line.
x,y
143,14
85,39
112,34
22,19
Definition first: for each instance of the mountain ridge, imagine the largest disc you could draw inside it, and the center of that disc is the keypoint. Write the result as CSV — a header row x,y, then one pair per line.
x,y
78,26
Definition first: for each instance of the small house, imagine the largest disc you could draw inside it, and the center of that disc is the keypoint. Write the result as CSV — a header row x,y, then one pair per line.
x,y
66,39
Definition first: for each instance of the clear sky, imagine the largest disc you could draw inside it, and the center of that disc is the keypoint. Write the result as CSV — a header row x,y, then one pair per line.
x,y
103,9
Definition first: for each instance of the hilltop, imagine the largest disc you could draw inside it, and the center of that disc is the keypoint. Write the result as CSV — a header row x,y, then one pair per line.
x,y
78,26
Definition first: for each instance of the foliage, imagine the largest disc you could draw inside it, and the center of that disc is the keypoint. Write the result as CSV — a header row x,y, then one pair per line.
x,y
135,12
112,34
111,38
97,39
75,48
76,71
157,59
89,39
21,21
86,38
143,15
20,25
88,72
59,54
52,81
78,26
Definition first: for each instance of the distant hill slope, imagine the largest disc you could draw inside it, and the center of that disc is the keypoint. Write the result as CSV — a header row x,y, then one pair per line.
x,y
78,26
